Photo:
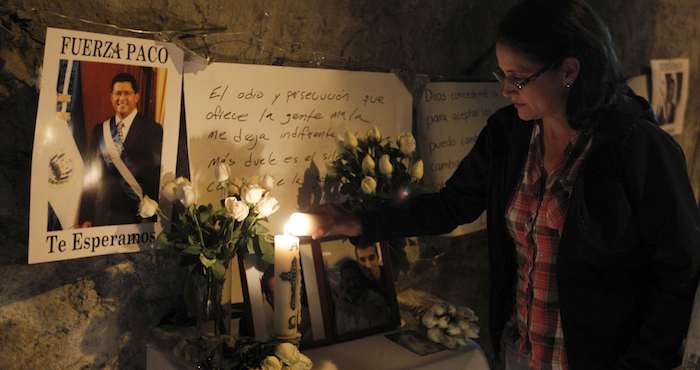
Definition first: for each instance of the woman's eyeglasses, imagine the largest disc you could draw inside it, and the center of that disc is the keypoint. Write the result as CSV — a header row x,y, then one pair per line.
x,y
520,83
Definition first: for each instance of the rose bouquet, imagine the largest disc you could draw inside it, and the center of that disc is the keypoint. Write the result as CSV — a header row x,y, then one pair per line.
x,y
450,325
207,237
286,357
373,171
242,353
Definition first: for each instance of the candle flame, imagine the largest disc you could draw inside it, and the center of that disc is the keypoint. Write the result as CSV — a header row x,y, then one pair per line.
x,y
299,224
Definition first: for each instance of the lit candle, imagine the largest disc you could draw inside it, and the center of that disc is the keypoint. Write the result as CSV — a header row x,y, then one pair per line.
x,y
300,224
287,286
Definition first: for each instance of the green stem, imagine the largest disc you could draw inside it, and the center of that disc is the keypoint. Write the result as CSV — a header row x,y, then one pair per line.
x,y
161,214
199,229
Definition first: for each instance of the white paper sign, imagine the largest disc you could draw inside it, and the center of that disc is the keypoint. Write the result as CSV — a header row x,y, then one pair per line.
x,y
669,81
282,121
71,215
450,117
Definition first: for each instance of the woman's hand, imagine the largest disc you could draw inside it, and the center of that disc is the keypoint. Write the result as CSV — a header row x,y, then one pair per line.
x,y
332,219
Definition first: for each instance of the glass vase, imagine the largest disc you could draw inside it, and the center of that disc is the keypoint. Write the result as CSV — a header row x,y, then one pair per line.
x,y
203,299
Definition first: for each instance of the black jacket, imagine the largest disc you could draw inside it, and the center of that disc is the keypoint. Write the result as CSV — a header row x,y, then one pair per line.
x,y
629,252
108,202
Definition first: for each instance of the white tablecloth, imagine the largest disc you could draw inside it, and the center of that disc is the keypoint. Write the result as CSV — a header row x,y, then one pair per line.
x,y
370,353
379,353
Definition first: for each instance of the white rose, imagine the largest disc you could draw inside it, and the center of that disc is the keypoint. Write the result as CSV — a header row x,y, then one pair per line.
x,y
268,182
350,140
185,194
443,322
271,363
221,172
471,332
453,329
368,165
368,185
438,309
236,208
407,144
252,194
464,324
267,206
467,313
305,360
374,134
169,190
428,319
385,166
451,309
417,170
449,342
461,342
287,352
147,207
435,335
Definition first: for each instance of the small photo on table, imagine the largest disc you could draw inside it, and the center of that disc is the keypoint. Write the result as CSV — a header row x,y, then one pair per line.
x,y
415,342
358,293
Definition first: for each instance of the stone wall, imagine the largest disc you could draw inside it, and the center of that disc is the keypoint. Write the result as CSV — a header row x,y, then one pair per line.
x,y
96,312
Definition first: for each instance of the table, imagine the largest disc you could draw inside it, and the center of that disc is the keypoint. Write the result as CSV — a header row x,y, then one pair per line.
x,y
379,353
373,353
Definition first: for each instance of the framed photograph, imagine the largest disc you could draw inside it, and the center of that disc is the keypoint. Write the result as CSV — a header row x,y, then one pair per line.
x,y
353,295
669,80
347,292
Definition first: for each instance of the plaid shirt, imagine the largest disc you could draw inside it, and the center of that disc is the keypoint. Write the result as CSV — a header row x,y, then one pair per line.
x,y
535,219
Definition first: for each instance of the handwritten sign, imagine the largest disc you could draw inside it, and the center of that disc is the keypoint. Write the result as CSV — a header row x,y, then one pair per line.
x,y
450,117
282,121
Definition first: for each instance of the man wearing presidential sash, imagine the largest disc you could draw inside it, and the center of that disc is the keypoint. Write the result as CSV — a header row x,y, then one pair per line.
x,y
123,164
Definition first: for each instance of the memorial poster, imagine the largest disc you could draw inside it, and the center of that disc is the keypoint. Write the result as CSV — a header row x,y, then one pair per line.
x,y
106,135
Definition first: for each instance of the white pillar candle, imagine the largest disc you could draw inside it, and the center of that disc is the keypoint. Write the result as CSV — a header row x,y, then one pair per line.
x,y
287,286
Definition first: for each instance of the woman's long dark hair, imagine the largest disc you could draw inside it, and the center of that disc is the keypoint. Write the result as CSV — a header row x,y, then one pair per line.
x,y
550,31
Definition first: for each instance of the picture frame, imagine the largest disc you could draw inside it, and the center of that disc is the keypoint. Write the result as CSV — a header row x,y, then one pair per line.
x,y
349,288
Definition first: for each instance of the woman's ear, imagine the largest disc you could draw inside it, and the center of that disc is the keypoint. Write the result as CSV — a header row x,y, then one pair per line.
x,y
570,68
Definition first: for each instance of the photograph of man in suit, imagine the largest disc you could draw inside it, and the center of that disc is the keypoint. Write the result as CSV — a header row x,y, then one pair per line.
x,y
123,162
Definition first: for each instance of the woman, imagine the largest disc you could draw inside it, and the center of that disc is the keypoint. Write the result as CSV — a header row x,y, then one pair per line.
x,y
592,226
